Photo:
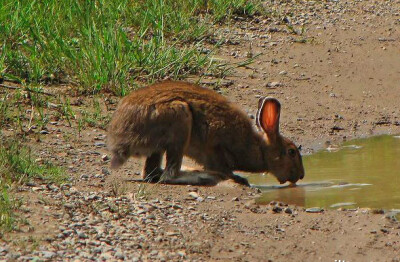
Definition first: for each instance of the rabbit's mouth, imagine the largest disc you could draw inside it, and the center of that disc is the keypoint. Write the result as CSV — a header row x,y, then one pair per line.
x,y
294,177
282,180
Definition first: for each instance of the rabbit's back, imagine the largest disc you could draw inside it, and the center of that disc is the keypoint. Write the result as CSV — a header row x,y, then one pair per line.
x,y
150,119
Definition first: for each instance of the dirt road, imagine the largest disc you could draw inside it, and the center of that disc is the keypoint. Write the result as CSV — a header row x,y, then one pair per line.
x,y
339,79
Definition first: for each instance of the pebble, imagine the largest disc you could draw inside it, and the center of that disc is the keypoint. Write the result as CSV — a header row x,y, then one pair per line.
x,y
119,222
200,199
288,210
277,209
119,255
274,84
314,210
100,144
82,235
84,177
384,230
98,250
49,254
105,171
194,195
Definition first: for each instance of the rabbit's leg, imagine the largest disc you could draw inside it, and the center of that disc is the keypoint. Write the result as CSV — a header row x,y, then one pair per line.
x,y
197,178
173,175
222,162
152,168
177,117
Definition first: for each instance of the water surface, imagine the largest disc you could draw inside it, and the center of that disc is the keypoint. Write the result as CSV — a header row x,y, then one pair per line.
x,y
360,173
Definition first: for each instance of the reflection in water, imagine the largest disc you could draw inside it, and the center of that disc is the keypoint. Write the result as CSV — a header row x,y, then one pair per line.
x,y
363,173
289,195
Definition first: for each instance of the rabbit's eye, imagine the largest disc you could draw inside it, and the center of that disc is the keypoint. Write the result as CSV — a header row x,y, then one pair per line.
x,y
292,152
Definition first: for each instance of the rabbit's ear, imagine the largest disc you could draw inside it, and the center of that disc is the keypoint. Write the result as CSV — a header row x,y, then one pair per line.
x,y
268,113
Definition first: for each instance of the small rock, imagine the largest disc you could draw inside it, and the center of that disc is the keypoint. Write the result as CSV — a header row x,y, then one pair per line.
x,y
173,233
84,177
119,255
69,205
314,210
105,158
276,209
378,211
384,230
67,233
274,84
105,171
194,195
100,144
97,250
200,199
52,105
81,235
48,254
235,199
288,210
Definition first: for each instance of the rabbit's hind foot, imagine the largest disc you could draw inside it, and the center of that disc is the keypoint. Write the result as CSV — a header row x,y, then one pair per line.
x,y
194,178
240,180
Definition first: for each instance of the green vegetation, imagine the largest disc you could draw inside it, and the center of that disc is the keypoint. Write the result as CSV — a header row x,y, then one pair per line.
x,y
100,44
93,46
7,207
17,166
96,117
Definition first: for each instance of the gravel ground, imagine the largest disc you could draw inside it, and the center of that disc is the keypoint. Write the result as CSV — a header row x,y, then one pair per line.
x,y
337,80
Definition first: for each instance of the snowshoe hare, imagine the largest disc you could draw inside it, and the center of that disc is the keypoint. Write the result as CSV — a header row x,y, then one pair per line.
x,y
179,118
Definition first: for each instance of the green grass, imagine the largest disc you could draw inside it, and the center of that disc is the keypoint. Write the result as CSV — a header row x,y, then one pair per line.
x,y
7,208
94,45
95,117
18,166
101,44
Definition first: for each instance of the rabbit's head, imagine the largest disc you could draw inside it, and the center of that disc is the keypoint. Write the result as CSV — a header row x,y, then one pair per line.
x,y
283,157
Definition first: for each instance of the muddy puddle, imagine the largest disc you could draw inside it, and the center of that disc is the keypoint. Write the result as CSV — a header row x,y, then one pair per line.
x,y
359,173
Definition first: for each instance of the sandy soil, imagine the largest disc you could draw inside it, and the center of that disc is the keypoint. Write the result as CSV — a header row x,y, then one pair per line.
x,y
339,80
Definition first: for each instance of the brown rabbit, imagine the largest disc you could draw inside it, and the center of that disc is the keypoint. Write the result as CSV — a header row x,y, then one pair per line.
x,y
179,118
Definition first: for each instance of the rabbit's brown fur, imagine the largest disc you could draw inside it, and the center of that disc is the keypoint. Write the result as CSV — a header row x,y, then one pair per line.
x,y
179,118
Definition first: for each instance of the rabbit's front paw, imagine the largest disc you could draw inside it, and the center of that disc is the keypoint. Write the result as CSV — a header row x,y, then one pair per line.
x,y
240,180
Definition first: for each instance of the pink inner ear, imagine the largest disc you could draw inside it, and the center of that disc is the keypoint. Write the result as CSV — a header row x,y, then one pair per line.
x,y
270,115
